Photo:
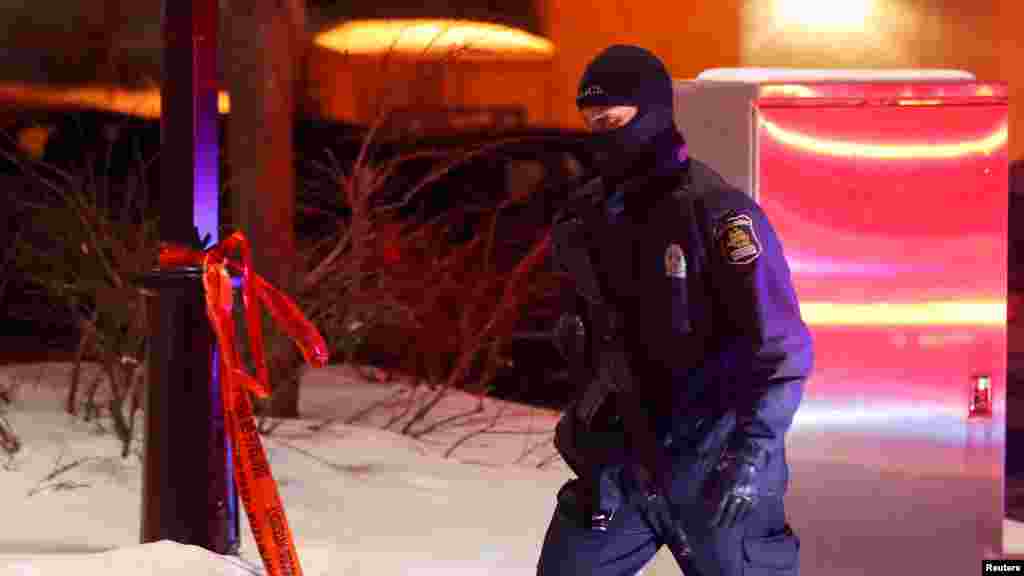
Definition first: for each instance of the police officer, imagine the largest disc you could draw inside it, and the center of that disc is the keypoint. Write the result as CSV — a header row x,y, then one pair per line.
x,y
684,336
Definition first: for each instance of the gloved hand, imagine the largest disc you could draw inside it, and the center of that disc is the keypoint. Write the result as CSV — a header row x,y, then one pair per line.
x,y
733,491
653,472
648,481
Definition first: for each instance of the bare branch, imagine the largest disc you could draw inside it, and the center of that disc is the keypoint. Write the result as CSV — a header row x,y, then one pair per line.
x,y
410,404
438,173
88,330
58,471
363,413
534,448
357,470
434,426
552,458
74,202
9,441
267,426
324,267
63,485
499,413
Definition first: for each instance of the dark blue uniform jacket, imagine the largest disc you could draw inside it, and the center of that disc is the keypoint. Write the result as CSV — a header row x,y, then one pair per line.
x,y
715,342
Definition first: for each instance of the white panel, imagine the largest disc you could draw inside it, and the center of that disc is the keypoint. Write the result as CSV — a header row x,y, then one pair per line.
x,y
718,125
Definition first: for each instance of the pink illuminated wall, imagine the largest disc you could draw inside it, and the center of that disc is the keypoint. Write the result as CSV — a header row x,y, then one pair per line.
x,y
893,217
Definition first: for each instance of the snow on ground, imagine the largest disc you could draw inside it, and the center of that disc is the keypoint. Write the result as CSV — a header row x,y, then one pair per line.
x,y
362,500
359,499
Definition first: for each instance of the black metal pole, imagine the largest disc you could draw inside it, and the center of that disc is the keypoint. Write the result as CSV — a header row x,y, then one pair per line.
x,y
188,492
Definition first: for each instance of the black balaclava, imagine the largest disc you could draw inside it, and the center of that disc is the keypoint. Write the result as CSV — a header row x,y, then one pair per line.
x,y
624,75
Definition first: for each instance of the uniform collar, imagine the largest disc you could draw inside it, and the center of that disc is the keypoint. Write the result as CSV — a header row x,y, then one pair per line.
x,y
642,193
669,157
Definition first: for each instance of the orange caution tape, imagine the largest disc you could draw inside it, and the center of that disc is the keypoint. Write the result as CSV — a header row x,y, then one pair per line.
x,y
255,483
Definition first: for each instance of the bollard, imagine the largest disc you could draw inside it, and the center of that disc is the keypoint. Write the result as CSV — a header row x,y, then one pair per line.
x,y
188,492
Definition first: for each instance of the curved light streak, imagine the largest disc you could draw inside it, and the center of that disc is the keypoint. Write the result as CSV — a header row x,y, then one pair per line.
x,y
919,102
847,149
142,103
958,313
787,90
755,75
818,266
921,428
433,37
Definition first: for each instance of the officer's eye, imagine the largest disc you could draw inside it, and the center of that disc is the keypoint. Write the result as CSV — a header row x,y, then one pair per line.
x,y
606,122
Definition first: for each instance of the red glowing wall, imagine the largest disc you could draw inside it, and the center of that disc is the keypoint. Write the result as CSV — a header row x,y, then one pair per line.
x,y
893,214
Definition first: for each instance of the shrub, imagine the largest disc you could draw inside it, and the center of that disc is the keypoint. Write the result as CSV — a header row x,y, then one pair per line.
x,y
86,235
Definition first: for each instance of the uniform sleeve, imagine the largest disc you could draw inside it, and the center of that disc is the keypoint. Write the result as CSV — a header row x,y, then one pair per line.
x,y
570,303
770,347
571,345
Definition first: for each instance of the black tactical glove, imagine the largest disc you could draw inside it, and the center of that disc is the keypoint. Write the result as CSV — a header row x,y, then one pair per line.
x,y
733,491
653,476
596,490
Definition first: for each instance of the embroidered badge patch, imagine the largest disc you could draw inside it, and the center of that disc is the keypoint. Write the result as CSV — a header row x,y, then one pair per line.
x,y
736,239
675,262
592,90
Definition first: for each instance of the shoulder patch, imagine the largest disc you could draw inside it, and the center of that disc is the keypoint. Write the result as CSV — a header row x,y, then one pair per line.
x,y
675,262
736,239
